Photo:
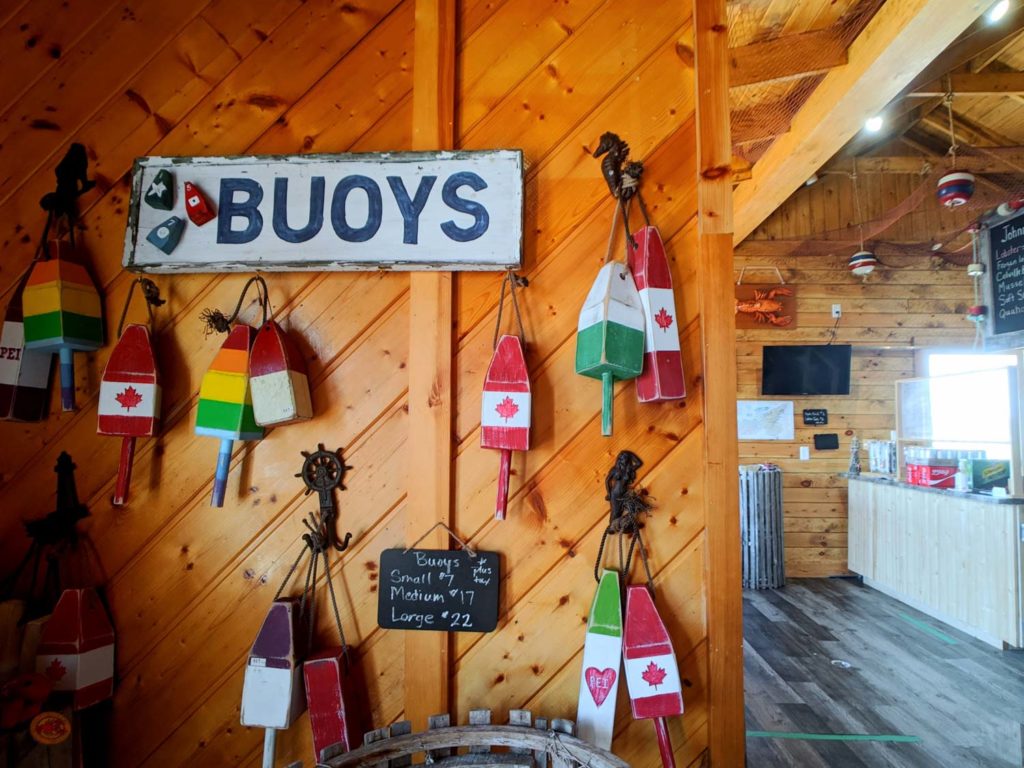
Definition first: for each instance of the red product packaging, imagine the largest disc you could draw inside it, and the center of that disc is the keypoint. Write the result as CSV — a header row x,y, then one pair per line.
x,y
938,476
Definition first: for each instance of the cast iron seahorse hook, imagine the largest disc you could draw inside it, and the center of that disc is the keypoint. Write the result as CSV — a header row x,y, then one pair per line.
x,y
615,152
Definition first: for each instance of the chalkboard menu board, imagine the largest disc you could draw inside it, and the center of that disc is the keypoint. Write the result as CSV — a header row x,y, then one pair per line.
x,y
1004,247
434,589
816,416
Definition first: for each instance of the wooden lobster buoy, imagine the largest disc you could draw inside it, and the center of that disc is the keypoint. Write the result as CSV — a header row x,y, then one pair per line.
x,y
129,405
662,375
225,403
278,378
652,674
197,206
602,659
505,410
160,194
24,373
610,334
76,648
329,719
273,696
62,313
166,234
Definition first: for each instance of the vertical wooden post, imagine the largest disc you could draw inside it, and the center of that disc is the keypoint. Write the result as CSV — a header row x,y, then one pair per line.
x,y
718,335
428,499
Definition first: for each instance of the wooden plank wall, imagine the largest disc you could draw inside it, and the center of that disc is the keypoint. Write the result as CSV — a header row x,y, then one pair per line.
x,y
914,301
188,584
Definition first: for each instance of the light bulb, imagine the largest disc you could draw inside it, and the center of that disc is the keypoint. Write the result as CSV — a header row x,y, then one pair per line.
x,y
997,11
873,124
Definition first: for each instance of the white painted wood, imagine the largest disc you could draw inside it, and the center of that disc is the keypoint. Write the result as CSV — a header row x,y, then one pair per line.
x,y
952,556
470,217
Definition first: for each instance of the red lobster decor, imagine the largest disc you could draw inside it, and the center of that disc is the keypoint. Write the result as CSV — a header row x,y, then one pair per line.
x,y
506,402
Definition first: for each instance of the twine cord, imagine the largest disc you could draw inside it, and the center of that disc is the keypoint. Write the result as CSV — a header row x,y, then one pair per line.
x,y
511,280
453,534
215,320
150,292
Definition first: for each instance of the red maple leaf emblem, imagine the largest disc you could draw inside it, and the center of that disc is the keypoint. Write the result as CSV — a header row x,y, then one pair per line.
x,y
654,675
129,398
663,319
507,408
55,671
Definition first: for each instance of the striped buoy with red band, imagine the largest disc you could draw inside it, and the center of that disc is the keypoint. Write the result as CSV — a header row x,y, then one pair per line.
x,y
955,189
505,410
278,378
863,263
129,405
662,375
76,648
652,675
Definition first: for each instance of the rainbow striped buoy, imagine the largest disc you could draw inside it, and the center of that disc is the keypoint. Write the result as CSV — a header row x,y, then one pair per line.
x,y
955,189
225,403
863,263
62,313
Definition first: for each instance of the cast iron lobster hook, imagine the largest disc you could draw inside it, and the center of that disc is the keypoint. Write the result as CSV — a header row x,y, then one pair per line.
x,y
615,152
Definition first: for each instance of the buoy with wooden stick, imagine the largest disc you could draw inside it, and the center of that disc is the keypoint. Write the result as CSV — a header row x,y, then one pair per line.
x,y
129,404
662,375
505,407
652,675
602,661
24,373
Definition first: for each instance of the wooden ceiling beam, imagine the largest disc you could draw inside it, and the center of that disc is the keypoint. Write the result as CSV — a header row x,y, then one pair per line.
x,y
993,52
915,164
785,58
981,84
895,45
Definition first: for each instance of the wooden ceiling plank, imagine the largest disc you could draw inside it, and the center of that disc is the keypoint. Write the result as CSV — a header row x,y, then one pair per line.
x,y
789,57
897,43
981,84
992,53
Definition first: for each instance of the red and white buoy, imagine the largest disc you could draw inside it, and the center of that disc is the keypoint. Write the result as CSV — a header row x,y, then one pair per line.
x,y
862,263
332,723
652,675
955,189
662,375
129,405
505,410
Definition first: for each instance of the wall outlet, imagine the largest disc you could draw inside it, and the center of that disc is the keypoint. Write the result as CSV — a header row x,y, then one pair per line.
x,y
837,311
805,453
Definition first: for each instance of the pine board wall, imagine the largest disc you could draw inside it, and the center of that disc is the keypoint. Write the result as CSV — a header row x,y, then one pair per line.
x,y
188,585
911,303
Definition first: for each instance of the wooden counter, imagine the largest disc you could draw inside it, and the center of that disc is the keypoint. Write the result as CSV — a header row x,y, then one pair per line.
x,y
952,555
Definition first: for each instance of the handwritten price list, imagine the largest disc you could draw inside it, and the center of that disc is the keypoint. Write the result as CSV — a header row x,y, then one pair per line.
x,y
437,590
1006,242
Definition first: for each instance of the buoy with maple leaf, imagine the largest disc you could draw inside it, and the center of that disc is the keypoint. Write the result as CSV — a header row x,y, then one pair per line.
x,y
129,404
652,674
506,403
662,374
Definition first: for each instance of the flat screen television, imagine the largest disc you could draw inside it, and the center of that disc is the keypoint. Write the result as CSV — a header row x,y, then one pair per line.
x,y
806,369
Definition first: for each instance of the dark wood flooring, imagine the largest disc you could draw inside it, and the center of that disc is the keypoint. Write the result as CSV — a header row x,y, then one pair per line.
x,y
964,699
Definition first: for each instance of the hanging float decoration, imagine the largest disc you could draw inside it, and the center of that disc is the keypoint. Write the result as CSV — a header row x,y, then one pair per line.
x,y
662,375
505,406
278,378
129,404
862,263
225,404
76,648
956,187
24,374
62,312
602,661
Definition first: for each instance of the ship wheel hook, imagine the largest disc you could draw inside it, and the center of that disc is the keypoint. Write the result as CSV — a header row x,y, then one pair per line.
x,y
322,472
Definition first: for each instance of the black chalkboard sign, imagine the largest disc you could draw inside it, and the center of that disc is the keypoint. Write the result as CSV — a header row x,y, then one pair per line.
x,y
434,589
816,416
1005,243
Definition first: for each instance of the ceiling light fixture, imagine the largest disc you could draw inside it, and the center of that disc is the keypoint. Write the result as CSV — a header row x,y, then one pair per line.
x,y
997,11
873,124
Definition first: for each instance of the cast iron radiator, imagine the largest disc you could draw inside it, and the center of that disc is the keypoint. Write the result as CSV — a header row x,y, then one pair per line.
x,y
761,526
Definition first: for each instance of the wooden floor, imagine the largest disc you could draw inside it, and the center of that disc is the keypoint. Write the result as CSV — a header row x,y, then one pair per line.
x,y
910,675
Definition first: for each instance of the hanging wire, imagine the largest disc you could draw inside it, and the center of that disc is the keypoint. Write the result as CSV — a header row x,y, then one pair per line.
x,y
215,320
856,202
150,292
512,280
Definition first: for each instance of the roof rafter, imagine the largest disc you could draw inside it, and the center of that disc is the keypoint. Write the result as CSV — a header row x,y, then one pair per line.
x,y
897,44
967,84
789,57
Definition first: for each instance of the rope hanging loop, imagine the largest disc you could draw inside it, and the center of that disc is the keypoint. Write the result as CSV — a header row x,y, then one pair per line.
x,y
150,292
216,321
512,281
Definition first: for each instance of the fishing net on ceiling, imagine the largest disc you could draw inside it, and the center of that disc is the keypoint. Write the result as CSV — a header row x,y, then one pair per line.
x,y
771,41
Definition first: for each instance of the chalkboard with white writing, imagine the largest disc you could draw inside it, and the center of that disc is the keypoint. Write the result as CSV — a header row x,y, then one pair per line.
x,y
434,589
1004,247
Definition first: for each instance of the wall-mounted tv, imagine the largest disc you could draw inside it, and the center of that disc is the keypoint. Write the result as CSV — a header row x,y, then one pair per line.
x,y
806,369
